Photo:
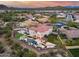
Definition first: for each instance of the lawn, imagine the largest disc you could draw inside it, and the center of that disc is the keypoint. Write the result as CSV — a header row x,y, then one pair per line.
x,y
75,52
72,42
53,19
53,39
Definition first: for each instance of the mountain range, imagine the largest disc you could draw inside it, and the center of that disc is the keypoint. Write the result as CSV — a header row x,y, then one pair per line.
x,y
71,6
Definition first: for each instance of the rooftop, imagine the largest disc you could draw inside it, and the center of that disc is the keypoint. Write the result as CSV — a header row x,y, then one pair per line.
x,y
73,33
41,28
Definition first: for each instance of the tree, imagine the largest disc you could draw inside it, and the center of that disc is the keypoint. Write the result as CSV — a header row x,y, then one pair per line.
x,y
53,19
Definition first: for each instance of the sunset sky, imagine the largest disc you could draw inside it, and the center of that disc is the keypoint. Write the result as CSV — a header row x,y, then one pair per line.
x,y
35,4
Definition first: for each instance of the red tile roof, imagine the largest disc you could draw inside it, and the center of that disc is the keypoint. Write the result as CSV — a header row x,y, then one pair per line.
x,y
42,28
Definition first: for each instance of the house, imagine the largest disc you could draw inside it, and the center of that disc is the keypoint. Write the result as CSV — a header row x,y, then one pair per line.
x,y
36,42
42,29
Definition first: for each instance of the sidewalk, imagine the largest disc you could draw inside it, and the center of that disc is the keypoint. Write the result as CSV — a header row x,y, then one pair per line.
x,y
72,47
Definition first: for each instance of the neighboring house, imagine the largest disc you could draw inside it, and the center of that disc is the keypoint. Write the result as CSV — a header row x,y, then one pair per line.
x,y
61,15
30,16
37,15
42,20
76,15
22,30
70,33
25,16
20,16
29,23
46,16
69,17
73,33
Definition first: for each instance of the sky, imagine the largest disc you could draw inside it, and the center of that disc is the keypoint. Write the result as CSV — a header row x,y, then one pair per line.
x,y
35,4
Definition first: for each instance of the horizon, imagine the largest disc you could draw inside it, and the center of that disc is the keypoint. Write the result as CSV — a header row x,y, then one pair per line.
x,y
36,4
